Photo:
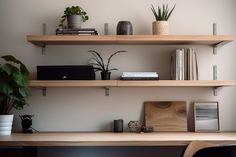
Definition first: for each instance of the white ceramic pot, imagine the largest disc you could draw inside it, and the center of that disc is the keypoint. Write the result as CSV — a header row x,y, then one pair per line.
x,y
74,21
160,28
6,124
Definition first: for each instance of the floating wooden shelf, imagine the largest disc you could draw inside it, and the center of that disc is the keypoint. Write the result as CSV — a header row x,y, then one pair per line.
x,y
115,139
121,83
72,84
42,40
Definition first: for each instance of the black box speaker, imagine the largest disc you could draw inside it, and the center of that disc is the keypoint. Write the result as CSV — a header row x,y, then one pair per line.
x,y
66,72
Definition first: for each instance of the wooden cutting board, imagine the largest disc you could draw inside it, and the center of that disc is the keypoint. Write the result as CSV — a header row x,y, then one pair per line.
x,y
166,116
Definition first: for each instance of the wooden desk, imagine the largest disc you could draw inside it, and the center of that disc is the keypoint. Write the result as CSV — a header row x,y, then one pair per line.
x,y
115,139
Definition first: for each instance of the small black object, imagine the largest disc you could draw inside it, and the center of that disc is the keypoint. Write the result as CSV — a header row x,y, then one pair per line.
x,y
66,72
26,122
105,75
124,28
118,125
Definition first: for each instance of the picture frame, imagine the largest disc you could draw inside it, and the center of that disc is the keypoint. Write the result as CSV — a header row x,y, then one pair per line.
x,y
206,116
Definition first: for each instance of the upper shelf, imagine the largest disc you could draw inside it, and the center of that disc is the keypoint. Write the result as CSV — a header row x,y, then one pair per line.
x,y
42,40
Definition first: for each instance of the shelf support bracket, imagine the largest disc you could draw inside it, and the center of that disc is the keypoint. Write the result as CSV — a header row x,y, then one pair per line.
x,y
44,32
215,91
107,91
43,49
44,91
215,78
215,33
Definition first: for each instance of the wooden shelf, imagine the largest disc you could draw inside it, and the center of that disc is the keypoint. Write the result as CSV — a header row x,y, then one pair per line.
x,y
42,40
115,139
121,83
72,83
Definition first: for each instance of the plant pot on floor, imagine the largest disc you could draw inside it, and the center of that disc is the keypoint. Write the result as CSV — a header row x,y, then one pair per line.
x,y
6,124
106,75
160,28
74,21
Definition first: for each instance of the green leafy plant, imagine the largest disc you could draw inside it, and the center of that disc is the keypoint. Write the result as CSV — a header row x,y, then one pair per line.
x,y
99,64
162,14
13,84
73,10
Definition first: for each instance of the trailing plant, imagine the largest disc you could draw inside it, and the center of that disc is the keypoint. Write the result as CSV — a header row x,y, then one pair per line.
x,y
73,10
162,14
99,64
13,84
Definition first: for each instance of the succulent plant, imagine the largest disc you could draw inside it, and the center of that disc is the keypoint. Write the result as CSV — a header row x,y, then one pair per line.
x,y
162,13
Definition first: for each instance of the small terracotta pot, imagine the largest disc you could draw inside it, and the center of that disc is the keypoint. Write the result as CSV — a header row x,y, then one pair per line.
x,y
160,28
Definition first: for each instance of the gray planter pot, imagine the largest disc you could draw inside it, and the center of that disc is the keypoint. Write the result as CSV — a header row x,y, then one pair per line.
x,y
74,21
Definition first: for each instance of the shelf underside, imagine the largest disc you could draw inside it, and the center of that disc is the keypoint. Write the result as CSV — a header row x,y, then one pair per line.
x,y
42,40
121,83
115,139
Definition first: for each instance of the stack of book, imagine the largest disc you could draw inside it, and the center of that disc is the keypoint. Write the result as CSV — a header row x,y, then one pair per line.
x,y
81,31
140,76
184,64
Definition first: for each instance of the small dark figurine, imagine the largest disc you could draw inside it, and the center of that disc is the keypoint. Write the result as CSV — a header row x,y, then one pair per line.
x,y
26,122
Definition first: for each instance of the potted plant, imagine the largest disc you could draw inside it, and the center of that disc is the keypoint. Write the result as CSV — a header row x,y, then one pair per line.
x,y
75,16
13,90
160,26
100,65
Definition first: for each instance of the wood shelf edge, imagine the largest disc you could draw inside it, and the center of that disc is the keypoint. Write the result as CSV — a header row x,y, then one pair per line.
x,y
41,40
124,83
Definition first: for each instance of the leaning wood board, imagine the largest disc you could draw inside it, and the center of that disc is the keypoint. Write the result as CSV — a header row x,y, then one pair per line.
x,y
166,116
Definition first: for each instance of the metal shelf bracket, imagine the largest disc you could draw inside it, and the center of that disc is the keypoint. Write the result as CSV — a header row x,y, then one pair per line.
x,y
215,91
44,32
107,91
43,49
44,91
215,33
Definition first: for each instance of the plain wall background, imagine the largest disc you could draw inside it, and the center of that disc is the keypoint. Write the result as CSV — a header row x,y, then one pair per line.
x,y
88,109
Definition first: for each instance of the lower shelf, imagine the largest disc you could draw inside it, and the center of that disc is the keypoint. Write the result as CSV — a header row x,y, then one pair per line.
x,y
121,83
115,139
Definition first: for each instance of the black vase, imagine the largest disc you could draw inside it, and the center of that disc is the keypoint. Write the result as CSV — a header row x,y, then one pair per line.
x,y
124,28
106,75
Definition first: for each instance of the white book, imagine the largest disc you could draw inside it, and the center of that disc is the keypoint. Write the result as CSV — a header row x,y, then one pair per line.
x,y
195,66
139,74
185,64
179,64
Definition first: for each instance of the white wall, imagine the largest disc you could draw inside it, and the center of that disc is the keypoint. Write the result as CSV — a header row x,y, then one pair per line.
x,y
88,109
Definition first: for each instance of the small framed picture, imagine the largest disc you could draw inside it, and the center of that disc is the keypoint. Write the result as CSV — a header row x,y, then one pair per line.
x,y
206,116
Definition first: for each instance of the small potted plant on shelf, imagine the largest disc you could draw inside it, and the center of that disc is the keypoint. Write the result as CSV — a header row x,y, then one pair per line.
x,y
162,14
13,90
100,65
75,16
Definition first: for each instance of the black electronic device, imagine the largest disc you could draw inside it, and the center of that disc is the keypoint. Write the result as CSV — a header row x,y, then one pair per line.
x,y
66,72
26,122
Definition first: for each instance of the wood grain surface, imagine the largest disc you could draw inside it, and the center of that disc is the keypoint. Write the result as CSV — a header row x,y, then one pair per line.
x,y
166,116
114,139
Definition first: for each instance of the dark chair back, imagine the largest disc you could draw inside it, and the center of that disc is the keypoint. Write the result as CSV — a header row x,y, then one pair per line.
x,y
222,151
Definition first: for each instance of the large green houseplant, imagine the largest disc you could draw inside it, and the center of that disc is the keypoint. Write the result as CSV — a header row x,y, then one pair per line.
x,y
162,14
13,90
100,65
75,16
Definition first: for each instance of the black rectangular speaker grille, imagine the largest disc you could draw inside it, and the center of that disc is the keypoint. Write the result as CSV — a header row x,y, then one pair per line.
x,y
66,72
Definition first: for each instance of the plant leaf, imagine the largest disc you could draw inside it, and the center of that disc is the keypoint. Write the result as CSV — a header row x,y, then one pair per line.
x,y
109,59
